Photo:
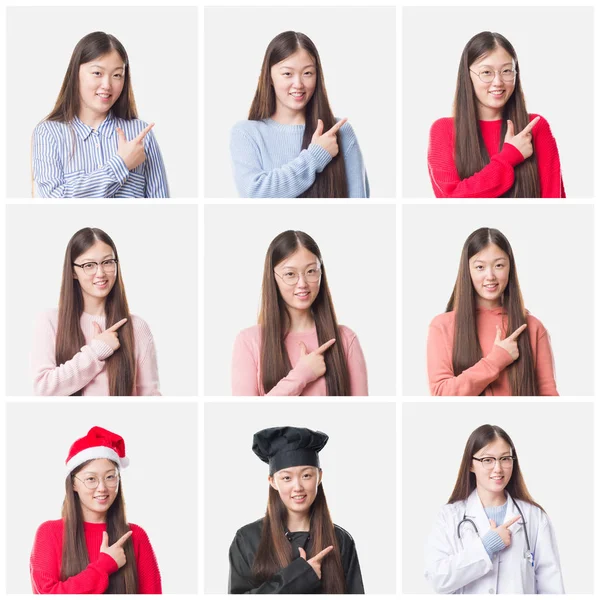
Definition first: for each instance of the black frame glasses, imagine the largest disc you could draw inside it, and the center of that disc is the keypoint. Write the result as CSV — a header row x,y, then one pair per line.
x,y
106,266
507,463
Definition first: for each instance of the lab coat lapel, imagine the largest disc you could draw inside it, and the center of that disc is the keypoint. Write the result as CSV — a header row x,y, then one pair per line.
x,y
476,512
512,512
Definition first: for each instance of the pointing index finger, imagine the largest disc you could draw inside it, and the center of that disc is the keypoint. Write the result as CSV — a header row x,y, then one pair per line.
x,y
511,522
143,133
324,553
325,346
531,125
117,325
123,539
518,332
337,126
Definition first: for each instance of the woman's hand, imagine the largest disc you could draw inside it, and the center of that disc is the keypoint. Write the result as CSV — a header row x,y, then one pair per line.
x,y
116,550
110,336
327,140
510,343
315,561
521,141
132,152
315,360
503,530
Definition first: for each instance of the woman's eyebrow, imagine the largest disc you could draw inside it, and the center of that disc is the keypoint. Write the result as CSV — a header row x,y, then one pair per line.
x,y
111,255
311,65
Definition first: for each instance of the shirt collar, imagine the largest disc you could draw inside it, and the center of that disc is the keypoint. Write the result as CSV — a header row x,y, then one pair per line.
x,y
106,128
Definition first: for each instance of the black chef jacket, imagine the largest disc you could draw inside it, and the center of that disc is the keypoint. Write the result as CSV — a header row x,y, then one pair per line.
x,y
298,577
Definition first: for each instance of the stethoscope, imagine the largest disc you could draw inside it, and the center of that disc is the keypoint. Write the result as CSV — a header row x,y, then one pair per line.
x,y
528,554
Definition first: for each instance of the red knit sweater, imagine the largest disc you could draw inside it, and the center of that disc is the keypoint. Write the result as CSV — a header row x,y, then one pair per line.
x,y
498,175
47,553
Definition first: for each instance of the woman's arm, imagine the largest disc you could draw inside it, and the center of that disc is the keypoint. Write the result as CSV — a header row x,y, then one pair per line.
x,y
49,175
354,582
356,174
154,169
492,181
146,381
544,367
470,382
548,161
149,581
548,575
288,181
357,369
68,378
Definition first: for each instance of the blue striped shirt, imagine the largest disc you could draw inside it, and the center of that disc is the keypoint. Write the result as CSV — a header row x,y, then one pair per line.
x,y
72,160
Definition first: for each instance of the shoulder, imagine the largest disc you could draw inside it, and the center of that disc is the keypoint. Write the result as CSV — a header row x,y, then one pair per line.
x,y
534,325
248,127
443,321
47,319
249,335
343,536
347,131
138,533
348,336
252,531
450,512
53,128
542,127
534,513
49,529
140,326
442,126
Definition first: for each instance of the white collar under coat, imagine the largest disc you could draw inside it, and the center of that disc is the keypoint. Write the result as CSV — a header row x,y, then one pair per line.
x,y
475,511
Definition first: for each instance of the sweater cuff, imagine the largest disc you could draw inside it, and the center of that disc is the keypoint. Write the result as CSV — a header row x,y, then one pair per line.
x,y
492,543
101,349
321,156
117,166
107,563
499,357
304,373
511,154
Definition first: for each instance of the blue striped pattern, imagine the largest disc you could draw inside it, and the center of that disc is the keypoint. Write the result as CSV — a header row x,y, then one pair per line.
x,y
71,160
268,161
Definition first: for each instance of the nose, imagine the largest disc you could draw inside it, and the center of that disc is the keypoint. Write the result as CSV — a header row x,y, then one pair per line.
x,y
105,83
298,81
101,485
497,77
298,485
497,467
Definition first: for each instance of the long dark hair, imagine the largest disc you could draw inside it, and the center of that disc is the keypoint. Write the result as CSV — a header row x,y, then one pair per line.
x,y
88,48
331,182
466,349
69,336
466,481
275,551
75,558
470,154
274,320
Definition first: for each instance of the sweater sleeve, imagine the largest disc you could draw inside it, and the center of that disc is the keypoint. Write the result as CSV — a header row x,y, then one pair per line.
x,y
544,367
548,161
146,382
50,178
68,378
149,581
470,382
154,169
492,181
356,174
288,181
357,369
45,569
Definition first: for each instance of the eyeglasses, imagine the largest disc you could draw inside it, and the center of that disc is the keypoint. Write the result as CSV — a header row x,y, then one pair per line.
x,y
91,482
488,75
91,268
291,277
489,462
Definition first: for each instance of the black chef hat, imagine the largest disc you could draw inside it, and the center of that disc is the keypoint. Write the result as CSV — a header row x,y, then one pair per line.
x,y
283,447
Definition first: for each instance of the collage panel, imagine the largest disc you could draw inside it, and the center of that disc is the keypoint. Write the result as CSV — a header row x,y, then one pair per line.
x,y
88,319
93,457
497,515
306,448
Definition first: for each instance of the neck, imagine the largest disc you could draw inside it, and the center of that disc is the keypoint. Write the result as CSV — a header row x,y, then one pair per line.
x,y
298,521
94,306
491,498
483,303
91,118
485,113
300,320
93,517
287,116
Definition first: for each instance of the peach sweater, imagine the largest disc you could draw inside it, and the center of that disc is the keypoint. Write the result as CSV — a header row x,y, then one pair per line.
x,y
489,373
86,370
245,371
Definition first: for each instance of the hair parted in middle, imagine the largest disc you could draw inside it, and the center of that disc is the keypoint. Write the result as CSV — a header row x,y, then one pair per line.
x,y
466,350
331,182
470,154
274,319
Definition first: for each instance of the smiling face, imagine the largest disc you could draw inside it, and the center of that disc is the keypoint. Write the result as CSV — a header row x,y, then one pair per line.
x,y
294,82
489,270
96,502
100,84
297,487
492,481
95,287
299,296
491,97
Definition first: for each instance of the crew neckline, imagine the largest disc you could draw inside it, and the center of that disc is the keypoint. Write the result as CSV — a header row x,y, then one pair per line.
x,y
308,332
291,128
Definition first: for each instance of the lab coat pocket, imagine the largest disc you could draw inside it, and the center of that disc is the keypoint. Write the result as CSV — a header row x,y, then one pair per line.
x,y
528,574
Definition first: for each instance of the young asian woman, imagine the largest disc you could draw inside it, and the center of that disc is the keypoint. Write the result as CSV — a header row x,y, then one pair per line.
x,y
492,147
298,348
92,144
92,549
92,345
295,548
492,537
487,343
291,145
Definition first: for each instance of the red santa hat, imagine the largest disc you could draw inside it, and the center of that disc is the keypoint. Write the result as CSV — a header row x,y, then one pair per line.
x,y
98,443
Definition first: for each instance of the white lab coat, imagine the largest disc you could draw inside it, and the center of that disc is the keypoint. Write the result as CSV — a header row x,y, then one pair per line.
x,y
462,566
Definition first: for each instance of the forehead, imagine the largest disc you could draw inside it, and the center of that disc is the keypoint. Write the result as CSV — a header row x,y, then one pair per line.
x,y
296,470
299,259
490,253
110,60
496,58
99,466
495,448
96,252
298,60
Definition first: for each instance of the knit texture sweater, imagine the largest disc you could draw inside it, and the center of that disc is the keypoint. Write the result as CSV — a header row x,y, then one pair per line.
x,y
489,373
46,558
268,160
498,176
87,371
492,542
300,381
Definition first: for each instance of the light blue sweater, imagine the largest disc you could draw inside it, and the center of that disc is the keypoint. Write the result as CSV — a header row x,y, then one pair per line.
x,y
492,542
268,161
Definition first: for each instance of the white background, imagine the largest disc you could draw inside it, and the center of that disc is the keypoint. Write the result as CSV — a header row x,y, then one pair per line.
x,y
158,258
357,50
553,247
358,463
357,243
161,44
556,460
554,47
160,484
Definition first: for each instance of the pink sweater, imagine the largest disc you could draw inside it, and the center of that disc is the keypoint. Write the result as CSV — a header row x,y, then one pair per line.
x,y
86,370
300,381
489,373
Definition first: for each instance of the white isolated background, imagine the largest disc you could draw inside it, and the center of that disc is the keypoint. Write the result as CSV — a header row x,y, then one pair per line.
x,y
158,258
556,460
359,479
161,43
357,46
554,252
358,245
156,487
556,60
